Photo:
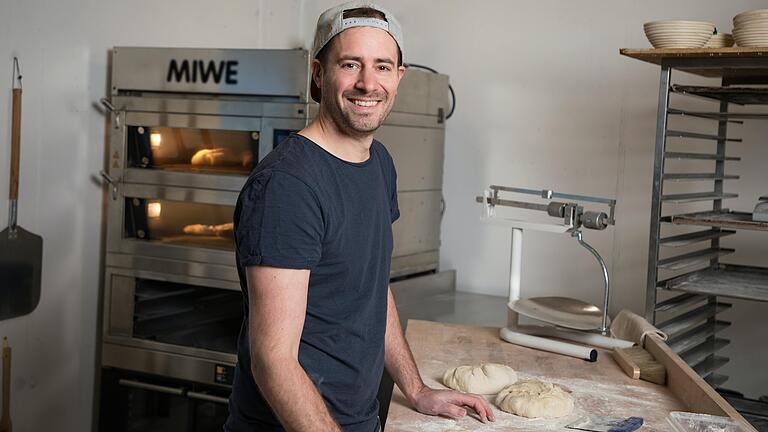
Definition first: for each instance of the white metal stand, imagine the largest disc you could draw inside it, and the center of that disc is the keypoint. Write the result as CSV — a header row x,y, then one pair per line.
x,y
531,335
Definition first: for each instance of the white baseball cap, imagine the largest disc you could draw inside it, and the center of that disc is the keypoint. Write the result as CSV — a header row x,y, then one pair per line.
x,y
332,22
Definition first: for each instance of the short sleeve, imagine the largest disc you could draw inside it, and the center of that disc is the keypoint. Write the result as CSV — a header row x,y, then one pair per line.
x,y
279,223
393,206
390,175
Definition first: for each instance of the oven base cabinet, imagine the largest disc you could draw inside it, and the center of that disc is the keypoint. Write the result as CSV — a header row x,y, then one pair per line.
x,y
133,402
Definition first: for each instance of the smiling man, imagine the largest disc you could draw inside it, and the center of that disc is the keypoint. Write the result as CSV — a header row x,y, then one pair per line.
x,y
313,230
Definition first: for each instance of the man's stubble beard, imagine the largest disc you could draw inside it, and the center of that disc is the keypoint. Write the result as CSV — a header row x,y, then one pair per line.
x,y
360,126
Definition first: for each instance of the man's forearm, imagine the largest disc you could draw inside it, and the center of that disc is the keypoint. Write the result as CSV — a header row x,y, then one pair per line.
x,y
398,358
292,396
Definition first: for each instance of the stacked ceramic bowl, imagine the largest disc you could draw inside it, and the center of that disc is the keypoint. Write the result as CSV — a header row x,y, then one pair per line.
x,y
750,29
720,40
678,33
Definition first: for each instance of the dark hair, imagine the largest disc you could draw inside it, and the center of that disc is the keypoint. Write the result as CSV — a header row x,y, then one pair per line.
x,y
363,12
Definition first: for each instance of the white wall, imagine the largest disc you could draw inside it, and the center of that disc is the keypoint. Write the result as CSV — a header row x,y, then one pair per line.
x,y
544,100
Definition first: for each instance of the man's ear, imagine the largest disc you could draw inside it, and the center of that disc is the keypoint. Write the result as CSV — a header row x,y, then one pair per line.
x,y
401,71
317,73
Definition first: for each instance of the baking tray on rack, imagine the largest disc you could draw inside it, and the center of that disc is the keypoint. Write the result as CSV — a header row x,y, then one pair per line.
x,y
724,219
726,280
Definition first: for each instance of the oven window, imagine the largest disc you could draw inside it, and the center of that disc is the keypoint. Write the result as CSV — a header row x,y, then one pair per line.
x,y
179,223
192,150
187,315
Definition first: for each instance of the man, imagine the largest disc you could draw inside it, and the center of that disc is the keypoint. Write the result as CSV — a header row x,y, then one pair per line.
x,y
314,244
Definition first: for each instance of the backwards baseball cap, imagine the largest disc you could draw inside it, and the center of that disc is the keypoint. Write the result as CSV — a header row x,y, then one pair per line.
x,y
332,22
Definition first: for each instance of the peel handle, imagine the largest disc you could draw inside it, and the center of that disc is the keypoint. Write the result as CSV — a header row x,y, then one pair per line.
x,y
15,144
5,420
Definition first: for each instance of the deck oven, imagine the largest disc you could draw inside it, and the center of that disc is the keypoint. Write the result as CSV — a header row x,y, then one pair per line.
x,y
186,128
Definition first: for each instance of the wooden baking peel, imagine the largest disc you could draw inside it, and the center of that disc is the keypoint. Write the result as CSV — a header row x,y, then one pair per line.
x,y
21,252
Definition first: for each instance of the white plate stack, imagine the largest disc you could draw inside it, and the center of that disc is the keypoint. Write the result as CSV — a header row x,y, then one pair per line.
x,y
750,29
678,33
720,40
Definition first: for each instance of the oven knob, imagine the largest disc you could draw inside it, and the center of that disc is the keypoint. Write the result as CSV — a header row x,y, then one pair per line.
x,y
141,130
255,136
144,161
136,202
141,234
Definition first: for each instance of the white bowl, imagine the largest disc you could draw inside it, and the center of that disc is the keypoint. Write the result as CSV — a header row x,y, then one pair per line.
x,y
748,33
750,20
683,31
746,16
678,33
751,41
677,43
720,40
678,26
757,44
680,23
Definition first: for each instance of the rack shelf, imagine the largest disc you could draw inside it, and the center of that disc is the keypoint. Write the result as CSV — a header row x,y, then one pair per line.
x,y
696,336
691,259
699,196
723,218
737,95
726,280
676,326
700,156
679,301
680,177
694,237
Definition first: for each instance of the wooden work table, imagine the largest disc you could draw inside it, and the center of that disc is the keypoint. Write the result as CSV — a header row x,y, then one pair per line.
x,y
598,388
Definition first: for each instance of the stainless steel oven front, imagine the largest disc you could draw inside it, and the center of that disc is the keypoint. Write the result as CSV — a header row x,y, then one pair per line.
x,y
186,128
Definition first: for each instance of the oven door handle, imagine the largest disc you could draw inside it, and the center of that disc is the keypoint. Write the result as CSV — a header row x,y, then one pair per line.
x,y
152,387
111,181
207,397
111,108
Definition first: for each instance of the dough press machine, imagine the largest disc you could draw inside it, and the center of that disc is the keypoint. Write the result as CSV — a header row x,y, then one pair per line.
x,y
567,318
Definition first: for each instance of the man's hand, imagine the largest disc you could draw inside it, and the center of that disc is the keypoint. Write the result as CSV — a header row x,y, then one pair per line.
x,y
450,403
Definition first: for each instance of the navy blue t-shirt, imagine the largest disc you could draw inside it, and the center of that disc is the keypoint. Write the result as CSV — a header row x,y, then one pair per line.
x,y
304,208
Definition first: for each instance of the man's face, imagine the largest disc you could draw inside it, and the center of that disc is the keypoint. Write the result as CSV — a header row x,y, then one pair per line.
x,y
359,79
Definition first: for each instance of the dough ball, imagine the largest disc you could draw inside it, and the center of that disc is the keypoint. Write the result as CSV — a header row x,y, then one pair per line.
x,y
535,399
487,378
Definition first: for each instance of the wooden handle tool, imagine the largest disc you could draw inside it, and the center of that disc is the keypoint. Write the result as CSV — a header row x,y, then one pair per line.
x,y
5,420
15,144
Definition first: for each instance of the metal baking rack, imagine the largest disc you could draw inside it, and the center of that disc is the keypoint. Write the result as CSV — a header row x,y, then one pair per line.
x,y
691,318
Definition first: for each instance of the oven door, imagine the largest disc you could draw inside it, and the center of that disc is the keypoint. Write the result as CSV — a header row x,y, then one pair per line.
x,y
199,151
175,224
133,402
178,326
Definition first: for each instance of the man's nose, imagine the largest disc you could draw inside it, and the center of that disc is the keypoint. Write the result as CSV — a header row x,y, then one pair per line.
x,y
366,80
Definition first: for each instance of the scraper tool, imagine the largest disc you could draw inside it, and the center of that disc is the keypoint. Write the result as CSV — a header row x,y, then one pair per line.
x,y
607,424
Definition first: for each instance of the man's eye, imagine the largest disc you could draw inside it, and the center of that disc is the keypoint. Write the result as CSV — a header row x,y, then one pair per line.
x,y
348,65
385,68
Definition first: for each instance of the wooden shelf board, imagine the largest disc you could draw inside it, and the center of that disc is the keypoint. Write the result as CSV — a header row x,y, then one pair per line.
x,y
656,55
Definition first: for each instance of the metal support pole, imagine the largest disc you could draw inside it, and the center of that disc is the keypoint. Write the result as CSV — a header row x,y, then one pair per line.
x,y
722,130
658,172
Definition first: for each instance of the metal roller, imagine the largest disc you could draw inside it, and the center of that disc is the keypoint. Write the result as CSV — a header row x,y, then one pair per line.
x,y
594,220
